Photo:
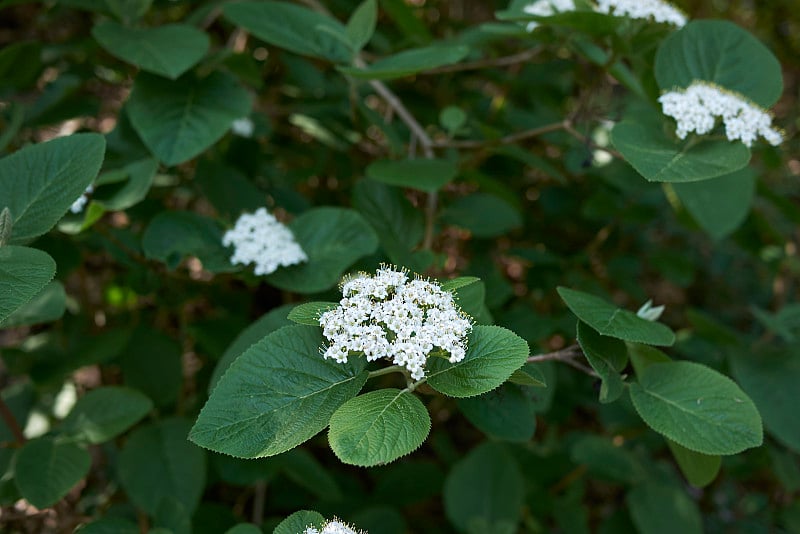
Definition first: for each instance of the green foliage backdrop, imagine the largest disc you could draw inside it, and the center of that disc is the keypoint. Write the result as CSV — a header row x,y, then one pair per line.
x,y
519,160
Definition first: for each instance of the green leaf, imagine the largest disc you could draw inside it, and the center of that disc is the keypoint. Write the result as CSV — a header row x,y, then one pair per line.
x,y
529,375
606,459
173,235
128,192
770,378
309,312
46,470
333,239
39,183
361,25
378,427
698,468
504,413
48,305
400,226
105,413
151,363
608,356
609,320
697,408
454,284
643,356
178,120
483,214
299,522
493,354
24,272
157,462
109,525
719,51
409,62
469,293
301,467
246,528
276,395
266,324
294,28
168,50
661,159
427,175
484,492
661,509
719,205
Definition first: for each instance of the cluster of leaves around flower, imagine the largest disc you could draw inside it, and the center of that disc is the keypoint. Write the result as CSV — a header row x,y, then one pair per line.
x,y
258,407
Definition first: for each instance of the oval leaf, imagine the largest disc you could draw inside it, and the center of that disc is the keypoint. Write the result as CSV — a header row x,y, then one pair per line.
x,y
48,305
173,235
24,272
333,239
309,312
698,468
297,29
608,356
46,470
697,408
299,522
276,395
661,159
770,378
484,492
506,413
158,463
610,320
422,174
378,427
493,354
719,51
40,182
105,413
178,120
168,50
719,205
409,62
663,509
483,214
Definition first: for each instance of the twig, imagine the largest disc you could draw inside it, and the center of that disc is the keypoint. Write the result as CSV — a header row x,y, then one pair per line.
x,y
507,140
567,356
259,497
385,371
11,422
504,61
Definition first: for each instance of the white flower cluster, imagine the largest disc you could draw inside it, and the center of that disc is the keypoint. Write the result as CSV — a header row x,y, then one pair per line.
x,y
545,8
697,108
259,238
332,527
643,9
390,316
81,201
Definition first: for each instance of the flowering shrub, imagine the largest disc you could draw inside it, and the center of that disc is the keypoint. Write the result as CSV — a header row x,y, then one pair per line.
x,y
268,264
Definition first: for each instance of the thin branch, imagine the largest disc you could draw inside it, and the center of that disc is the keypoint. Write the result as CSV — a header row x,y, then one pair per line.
x,y
507,140
11,422
385,371
567,356
259,498
505,61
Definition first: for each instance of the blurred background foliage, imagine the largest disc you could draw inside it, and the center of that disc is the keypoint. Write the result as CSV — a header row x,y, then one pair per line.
x,y
560,218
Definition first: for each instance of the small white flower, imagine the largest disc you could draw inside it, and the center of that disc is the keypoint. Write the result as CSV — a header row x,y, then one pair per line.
x,y
260,239
644,9
650,312
243,127
81,201
545,8
390,316
333,527
697,108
